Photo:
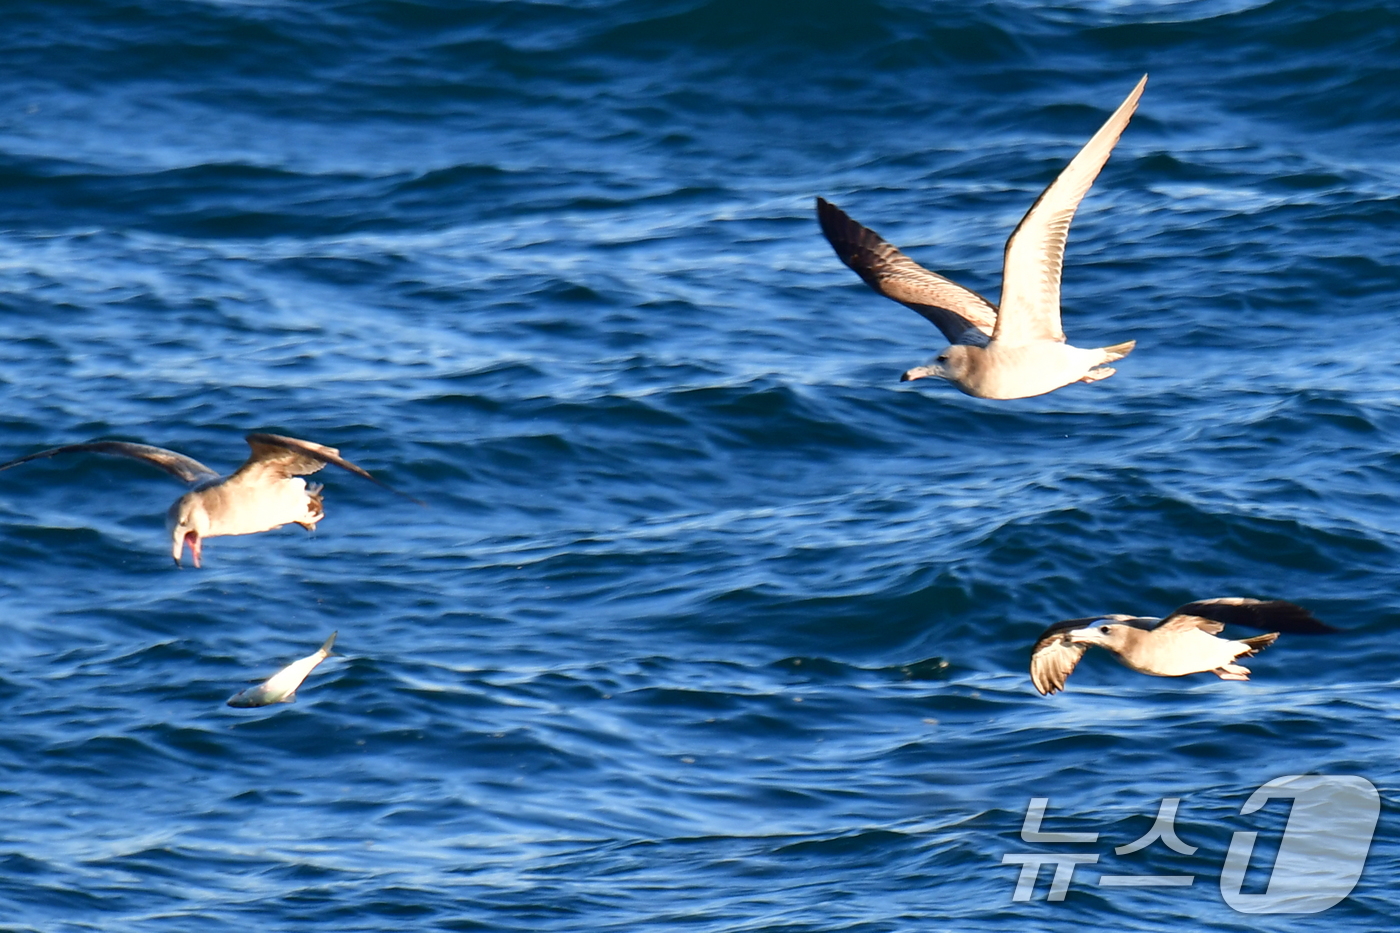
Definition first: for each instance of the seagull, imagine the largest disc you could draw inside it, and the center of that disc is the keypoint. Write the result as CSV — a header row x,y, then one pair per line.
x,y
1019,349
282,686
1184,642
266,492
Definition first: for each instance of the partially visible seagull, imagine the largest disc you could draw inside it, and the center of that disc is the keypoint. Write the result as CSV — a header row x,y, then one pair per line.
x,y
1184,642
282,686
1019,349
266,492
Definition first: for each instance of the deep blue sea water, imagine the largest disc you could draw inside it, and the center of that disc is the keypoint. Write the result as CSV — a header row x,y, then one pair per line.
x,y
709,623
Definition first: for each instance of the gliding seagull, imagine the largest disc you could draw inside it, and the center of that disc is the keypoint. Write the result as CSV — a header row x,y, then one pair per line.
x,y
1019,349
1184,642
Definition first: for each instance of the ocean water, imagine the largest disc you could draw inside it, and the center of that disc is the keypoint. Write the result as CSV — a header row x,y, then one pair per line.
x,y
708,622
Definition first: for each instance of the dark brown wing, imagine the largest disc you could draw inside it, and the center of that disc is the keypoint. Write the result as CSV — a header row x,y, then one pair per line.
x,y
282,457
951,308
185,469
278,456
1273,615
1054,656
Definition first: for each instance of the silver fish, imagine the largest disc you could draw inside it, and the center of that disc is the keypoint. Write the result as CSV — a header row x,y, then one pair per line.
x,y
282,686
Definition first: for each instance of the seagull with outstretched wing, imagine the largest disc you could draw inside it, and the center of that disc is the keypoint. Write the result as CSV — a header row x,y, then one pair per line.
x,y
1185,642
266,492
1016,350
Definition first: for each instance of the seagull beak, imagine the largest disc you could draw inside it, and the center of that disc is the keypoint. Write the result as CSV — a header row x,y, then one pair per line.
x,y
919,372
1085,636
191,538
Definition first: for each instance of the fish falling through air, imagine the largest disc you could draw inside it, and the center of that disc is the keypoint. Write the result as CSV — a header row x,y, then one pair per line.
x,y
282,686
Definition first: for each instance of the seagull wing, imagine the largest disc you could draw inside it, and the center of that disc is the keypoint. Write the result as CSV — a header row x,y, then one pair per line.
x,y
1035,253
1276,615
1054,656
961,314
280,457
185,469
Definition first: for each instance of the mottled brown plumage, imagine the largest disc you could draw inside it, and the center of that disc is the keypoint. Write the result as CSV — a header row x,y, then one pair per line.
x,y
1017,350
265,492
1184,642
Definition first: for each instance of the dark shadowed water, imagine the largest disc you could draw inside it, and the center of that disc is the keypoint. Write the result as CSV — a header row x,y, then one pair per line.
x,y
709,623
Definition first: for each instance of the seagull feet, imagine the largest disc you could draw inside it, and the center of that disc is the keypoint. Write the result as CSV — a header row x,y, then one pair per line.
x,y
1231,672
1094,375
315,508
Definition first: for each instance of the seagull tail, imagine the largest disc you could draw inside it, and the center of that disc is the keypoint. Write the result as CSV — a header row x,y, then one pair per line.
x,y
1259,642
1118,351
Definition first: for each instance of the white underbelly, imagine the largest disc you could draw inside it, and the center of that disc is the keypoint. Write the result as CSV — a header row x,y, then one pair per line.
x,y
1191,652
246,510
1034,369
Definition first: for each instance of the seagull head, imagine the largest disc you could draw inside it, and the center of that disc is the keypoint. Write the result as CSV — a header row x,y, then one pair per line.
x,y
1110,633
188,524
1093,635
952,364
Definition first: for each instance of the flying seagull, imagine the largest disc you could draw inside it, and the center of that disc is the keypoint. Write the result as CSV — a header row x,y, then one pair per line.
x,y
1019,349
1184,642
266,492
282,686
